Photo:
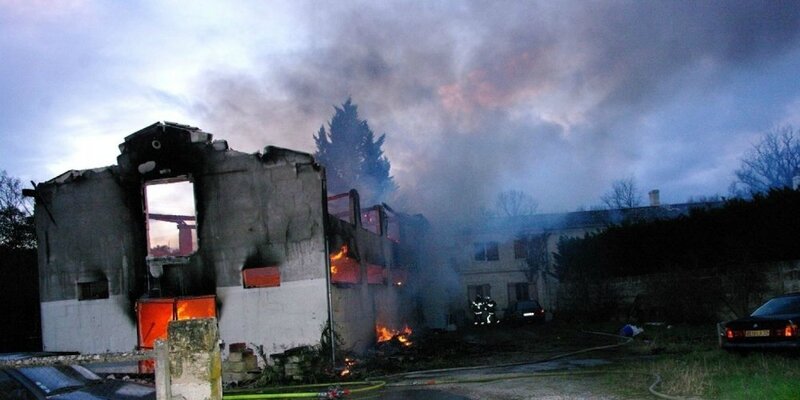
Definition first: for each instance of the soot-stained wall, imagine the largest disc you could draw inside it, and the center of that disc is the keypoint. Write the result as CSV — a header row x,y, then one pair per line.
x,y
253,210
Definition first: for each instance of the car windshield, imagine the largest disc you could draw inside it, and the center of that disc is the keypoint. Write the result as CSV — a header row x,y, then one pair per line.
x,y
779,305
56,379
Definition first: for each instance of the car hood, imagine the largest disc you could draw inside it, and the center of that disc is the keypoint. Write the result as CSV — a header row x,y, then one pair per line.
x,y
111,390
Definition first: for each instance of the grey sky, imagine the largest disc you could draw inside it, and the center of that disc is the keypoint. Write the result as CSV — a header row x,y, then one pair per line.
x,y
555,98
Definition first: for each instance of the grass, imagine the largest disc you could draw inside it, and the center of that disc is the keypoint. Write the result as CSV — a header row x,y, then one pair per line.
x,y
691,365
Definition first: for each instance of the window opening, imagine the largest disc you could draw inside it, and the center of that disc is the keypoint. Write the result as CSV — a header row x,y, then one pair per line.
x,y
344,268
486,251
478,290
171,218
93,290
518,292
339,207
153,315
256,277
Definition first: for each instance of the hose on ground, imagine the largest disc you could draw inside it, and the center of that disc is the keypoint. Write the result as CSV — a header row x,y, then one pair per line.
x,y
333,391
498,377
330,391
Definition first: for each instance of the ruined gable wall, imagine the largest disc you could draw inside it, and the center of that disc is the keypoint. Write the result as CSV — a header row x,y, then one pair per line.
x,y
92,236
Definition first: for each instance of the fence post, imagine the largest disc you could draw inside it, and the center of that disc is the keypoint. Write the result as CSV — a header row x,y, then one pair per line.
x,y
195,364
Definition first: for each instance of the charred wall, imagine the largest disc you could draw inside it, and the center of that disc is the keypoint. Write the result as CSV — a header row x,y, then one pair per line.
x,y
252,211
359,307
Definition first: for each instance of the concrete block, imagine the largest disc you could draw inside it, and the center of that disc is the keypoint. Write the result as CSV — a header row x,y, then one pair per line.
x,y
235,357
234,367
250,362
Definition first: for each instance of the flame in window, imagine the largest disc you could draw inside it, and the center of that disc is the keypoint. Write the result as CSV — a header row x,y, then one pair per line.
x,y
341,254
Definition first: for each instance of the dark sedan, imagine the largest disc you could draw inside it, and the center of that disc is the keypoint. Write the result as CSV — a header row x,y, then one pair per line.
x,y
525,311
67,382
774,325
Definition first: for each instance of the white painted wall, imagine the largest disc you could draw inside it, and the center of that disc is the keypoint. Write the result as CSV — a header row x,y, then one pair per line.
x,y
89,326
278,318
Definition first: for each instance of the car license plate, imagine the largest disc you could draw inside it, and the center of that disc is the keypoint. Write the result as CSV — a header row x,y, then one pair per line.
x,y
528,314
758,333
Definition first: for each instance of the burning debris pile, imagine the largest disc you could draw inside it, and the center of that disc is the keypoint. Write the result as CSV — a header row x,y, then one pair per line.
x,y
385,334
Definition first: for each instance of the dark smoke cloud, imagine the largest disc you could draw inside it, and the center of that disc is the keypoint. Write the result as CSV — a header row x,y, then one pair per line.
x,y
557,99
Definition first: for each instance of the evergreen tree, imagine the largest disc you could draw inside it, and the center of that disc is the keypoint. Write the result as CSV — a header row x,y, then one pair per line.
x,y
353,158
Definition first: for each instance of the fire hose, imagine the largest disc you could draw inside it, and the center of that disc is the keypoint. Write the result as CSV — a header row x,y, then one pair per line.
x,y
500,377
329,391
336,392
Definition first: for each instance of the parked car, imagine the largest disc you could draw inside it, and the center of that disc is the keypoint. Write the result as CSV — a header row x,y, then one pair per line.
x,y
774,325
67,382
525,311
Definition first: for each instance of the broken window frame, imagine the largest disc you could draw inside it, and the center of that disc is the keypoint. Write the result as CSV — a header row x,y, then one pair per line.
x,y
195,243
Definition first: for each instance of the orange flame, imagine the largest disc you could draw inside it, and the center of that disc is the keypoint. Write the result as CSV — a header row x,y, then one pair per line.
x,y
338,256
384,333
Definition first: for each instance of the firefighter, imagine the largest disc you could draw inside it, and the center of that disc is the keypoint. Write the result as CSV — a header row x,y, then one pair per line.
x,y
491,309
477,306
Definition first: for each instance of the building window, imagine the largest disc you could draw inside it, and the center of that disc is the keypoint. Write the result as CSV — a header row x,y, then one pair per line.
x,y
518,291
478,290
170,216
93,290
153,315
486,251
344,268
520,249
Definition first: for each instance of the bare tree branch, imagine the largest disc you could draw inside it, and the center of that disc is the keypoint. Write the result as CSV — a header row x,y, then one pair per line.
x,y
623,194
514,203
771,163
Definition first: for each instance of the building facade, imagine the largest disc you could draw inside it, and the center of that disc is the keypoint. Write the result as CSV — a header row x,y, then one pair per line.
x,y
513,259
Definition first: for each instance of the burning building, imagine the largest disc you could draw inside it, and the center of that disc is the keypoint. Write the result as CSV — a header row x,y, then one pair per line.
x,y
254,245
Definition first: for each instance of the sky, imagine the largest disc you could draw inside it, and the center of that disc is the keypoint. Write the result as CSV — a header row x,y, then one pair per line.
x,y
557,99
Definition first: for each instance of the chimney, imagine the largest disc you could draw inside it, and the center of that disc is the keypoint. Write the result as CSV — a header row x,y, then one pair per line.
x,y
655,201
